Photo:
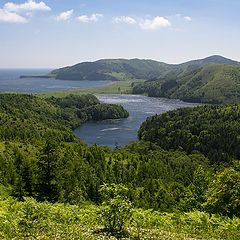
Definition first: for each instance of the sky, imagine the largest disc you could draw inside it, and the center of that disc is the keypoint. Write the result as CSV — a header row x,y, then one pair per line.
x,y
57,33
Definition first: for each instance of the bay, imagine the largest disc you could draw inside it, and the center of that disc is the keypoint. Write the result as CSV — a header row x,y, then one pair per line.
x,y
118,132
10,81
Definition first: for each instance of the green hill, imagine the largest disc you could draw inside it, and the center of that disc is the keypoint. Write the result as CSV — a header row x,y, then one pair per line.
x,y
122,69
213,130
115,69
25,117
212,83
214,79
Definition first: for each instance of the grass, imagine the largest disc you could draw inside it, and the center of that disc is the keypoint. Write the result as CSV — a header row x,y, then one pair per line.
x,y
33,220
2,147
123,87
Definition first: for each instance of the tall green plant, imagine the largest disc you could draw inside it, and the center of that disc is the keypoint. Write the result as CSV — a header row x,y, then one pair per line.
x,y
116,209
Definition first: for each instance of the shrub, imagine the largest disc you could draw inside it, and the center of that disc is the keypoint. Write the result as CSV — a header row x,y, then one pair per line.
x,y
116,209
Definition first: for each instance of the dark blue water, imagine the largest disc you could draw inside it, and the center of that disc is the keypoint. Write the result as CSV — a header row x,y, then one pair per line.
x,y
122,131
10,82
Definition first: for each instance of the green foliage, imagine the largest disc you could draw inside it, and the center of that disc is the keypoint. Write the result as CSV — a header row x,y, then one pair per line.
x,y
60,171
195,193
209,84
106,111
116,209
47,166
41,159
71,172
211,130
194,225
223,195
75,101
33,220
27,117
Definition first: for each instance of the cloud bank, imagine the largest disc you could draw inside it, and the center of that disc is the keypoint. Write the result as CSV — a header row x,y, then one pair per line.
x,y
145,24
11,17
10,12
30,5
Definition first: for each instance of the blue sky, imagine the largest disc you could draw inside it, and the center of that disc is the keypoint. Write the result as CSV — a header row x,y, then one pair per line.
x,y
56,33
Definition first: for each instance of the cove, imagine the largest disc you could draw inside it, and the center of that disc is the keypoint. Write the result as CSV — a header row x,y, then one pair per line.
x,y
119,132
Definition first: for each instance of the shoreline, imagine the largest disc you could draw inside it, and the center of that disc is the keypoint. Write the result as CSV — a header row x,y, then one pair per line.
x,y
113,87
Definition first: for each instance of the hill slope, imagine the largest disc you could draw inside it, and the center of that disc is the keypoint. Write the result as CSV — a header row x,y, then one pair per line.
x,y
208,84
122,69
25,117
212,130
115,69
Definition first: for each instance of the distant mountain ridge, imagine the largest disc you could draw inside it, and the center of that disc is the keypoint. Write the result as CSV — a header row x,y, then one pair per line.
x,y
123,69
214,79
112,69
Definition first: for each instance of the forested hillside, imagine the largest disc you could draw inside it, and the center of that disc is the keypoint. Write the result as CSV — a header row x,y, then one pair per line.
x,y
211,130
209,84
179,184
29,117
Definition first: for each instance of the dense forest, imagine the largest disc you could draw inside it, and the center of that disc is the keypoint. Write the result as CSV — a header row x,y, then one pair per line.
x,y
183,176
25,116
212,130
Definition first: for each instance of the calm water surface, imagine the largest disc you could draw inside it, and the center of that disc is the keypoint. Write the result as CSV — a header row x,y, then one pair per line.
x,y
122,131
10,82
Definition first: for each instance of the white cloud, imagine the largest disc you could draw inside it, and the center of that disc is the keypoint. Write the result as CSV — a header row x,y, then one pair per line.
x,y
124,19
30,5
11,17
187,18
155,23
91,18
64,15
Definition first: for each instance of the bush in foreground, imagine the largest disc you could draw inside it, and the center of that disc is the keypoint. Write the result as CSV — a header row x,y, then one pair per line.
x,y
116,209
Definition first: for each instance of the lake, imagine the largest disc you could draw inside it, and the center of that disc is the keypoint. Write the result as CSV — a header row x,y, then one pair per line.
x,y
10,82
122,131
109,132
